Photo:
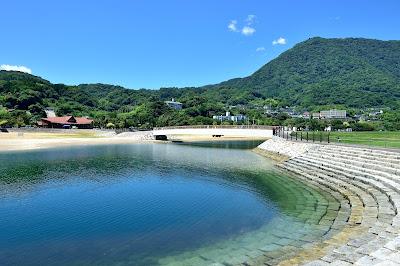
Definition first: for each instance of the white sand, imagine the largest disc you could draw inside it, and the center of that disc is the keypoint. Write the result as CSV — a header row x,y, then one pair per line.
x,y
15,141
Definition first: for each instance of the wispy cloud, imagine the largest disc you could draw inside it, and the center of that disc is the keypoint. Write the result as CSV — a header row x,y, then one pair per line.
x,y
16,68
232,26
260,49
250,19
248,31
280,41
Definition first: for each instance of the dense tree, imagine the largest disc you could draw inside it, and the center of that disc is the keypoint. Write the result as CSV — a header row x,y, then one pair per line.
x,y
314,75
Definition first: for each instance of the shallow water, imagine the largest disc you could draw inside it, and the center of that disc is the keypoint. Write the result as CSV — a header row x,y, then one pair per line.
x,y
145,204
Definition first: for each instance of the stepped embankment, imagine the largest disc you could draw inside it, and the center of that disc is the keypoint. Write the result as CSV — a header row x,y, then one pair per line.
x,y
367,181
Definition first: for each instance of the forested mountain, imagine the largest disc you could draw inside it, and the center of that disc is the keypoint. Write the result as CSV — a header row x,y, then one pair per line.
x,y
351,73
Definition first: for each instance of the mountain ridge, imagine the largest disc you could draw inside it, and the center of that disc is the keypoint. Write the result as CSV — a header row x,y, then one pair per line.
x,y
345,57
349,73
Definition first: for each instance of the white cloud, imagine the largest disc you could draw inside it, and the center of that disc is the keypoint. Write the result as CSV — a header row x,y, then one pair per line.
x,y
280,41
260,49
16,68
232,26
248,31
250,19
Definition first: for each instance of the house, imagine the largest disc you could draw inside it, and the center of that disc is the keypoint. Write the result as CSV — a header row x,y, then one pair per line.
x,y
316,115
306,115
66,122
333,114
229,117
173,104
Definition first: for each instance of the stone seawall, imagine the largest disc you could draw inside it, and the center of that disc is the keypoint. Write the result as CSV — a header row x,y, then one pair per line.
x,y
365,178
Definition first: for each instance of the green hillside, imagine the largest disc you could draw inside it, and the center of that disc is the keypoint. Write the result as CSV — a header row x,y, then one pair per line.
x,y
351,73
24,97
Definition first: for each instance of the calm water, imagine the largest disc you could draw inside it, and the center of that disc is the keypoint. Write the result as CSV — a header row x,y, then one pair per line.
x,y
141,204
227,144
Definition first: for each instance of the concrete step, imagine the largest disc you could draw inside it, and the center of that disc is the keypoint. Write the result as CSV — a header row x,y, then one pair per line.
x,y
362,151
349,195
369,216
354,164
352,173
374,157
365,149
384,188
381,234
390,199
362,188
395,168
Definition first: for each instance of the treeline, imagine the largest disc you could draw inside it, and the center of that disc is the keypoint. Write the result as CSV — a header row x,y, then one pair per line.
x,y
349,73
23,98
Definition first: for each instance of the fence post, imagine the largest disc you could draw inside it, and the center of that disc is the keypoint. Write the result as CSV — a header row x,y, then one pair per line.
x,y
290,136
301,135
313,136
320,136
296,135
307,136
328,136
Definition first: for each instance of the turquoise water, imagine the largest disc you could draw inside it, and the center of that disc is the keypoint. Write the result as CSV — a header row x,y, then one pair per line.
x,y
141,204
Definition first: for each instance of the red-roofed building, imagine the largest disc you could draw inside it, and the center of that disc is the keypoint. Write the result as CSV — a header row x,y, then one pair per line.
x,y
66,122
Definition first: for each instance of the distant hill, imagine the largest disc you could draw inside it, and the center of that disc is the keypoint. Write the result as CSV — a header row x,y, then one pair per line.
x,y
353,72
350,72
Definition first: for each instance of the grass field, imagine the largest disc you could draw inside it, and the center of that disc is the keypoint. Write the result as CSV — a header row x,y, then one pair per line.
x,y
386,139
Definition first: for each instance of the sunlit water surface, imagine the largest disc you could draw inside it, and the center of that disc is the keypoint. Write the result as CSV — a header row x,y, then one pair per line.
x,y
140,204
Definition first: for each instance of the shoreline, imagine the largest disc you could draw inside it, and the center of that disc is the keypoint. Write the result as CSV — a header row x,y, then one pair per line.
x,y
38,144
10,142
26,141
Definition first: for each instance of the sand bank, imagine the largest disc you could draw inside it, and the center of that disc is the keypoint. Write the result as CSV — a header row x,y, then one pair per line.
x,y
16,141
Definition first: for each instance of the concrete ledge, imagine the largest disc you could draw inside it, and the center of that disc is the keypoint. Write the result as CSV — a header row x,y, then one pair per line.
x,y
232,132
272,155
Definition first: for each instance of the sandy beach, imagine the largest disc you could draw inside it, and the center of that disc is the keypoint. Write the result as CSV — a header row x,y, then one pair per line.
x,y
18,141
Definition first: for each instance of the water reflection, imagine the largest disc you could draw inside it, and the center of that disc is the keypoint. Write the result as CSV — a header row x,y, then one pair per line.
x,y
137,203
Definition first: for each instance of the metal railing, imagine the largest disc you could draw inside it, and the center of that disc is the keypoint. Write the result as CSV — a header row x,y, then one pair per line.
x,y
327,137
306,136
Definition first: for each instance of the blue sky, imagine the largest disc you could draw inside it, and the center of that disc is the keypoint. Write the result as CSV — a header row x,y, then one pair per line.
x,y
152,44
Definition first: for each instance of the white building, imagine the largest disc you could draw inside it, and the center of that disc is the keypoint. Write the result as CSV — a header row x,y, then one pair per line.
x,y
173,104
333,114
306,115
50,112
229,117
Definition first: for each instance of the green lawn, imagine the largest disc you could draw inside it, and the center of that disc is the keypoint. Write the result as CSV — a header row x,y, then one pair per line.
x,y
387,139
